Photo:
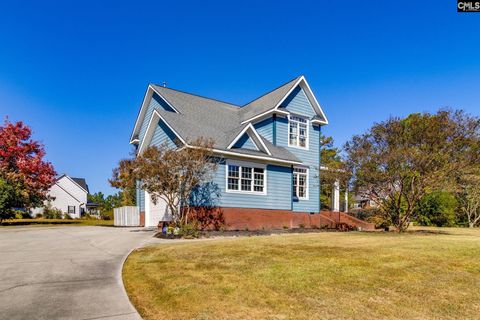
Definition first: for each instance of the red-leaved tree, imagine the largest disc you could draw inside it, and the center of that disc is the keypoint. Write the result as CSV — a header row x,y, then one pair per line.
x,y
25,177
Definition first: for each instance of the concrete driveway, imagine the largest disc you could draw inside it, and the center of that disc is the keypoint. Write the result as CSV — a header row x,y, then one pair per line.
x,y
66,272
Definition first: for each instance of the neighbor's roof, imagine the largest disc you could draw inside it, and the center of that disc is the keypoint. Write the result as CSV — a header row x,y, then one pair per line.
x,y
81,182
198,116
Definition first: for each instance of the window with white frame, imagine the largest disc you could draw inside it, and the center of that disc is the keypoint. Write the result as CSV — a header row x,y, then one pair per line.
x,y
244,178
297,132
300,183
71,209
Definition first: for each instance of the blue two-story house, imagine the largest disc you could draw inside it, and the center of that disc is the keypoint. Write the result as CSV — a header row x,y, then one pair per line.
x,y
269,151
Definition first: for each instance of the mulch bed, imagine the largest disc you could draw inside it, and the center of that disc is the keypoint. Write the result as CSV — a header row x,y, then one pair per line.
x,y
246,233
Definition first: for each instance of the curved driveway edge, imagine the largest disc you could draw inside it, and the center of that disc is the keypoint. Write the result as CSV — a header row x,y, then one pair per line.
x,y
66,272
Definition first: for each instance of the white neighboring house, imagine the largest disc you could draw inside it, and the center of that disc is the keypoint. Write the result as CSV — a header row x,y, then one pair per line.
x,y
69,195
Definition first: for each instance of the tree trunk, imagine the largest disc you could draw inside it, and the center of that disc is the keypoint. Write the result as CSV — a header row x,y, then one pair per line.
x,y
172,212
402,227
403,222
471,224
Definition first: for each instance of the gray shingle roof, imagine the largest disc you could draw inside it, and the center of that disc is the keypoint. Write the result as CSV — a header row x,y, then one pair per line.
x,y
82,183
267,101
221,121
189,130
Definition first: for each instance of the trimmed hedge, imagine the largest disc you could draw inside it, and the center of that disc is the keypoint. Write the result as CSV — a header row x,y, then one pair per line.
x,y
23,222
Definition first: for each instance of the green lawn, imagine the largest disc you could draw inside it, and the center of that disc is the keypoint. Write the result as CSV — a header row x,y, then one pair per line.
x,y
310,276
52,222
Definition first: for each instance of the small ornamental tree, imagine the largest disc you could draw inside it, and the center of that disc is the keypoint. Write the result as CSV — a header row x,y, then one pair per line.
x,y
123,178
171,174
398,161
25,177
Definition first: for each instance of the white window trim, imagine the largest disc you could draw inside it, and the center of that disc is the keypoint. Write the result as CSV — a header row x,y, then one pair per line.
x,y
307,142
307,185
251,165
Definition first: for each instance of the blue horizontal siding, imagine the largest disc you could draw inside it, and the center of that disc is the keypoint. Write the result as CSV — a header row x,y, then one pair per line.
x,y
155,103
278,190
162,135
265,129
142,200
298,103
245,142
140,197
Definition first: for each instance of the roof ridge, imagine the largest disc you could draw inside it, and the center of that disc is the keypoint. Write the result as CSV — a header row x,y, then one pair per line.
x,y
229,104
265,94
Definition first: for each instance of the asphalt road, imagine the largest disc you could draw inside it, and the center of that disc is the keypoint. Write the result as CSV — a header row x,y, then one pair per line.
x,y
66,272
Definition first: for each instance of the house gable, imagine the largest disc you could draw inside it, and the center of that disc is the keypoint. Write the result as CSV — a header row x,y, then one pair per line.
x,y
155,103
255,138
270,105
159,103
245,142
59,193
73,188
297,102
163,134
151,101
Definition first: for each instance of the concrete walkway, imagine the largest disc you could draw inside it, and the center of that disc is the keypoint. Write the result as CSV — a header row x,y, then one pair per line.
x,y
66,272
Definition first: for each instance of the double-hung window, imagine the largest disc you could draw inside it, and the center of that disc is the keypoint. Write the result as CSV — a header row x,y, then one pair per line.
x,y
300,183
71,210
297,132
244,178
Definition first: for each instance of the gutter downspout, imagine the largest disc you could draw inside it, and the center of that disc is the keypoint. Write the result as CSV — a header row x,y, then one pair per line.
x,y
319,166
291,188
274,129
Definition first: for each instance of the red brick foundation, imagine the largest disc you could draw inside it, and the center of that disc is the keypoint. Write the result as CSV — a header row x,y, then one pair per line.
x,y
142,219
257,219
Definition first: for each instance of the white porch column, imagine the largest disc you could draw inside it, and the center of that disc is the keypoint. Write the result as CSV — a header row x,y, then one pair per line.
x,y
336,196
346,199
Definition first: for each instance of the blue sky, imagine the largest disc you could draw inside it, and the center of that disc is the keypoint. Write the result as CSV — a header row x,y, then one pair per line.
x,y
76,72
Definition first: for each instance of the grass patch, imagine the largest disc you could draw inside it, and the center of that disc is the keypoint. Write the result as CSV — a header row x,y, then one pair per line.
x,y
416,275
50,222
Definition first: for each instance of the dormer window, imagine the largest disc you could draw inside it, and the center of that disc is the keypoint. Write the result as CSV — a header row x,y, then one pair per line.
x,y
297,132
